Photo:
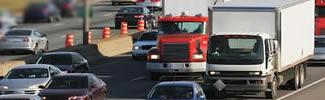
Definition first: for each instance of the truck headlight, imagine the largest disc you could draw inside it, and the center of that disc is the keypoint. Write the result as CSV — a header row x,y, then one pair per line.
x,y
3,87
136,47
214,73
197,56
154,56
254,73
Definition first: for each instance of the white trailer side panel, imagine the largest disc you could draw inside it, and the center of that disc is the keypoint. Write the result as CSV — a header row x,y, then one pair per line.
x,y
232,20
191,7
297,33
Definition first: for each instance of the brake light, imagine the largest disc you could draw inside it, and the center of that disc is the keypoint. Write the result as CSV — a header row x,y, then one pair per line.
x,y
138,16
67,5
155,0
140,0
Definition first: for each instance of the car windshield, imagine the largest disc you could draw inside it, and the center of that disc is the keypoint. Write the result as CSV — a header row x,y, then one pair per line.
x,y
235,49
319,42
56,59
68,82
319,11
131,10
27,73
172,92
151,36
181,27
19,33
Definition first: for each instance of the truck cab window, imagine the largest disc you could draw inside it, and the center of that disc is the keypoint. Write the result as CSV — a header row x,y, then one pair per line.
x,y
182,28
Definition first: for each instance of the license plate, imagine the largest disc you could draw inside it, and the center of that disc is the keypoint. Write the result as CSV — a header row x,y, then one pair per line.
x,y
219,85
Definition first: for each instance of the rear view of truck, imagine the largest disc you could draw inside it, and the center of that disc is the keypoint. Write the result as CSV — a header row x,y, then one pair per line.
x,y
259,45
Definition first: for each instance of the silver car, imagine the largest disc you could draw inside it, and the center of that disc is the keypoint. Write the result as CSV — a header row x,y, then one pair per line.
x,y
24,40
319,56
26,79
150,4
146,41
20,97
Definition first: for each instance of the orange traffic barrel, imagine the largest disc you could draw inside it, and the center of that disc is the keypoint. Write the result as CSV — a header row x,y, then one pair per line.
x,y
140,25
69,40
106,32
90,36
124,29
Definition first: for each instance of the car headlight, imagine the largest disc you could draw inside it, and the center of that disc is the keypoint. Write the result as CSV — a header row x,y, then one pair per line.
x,y
43,98
3,87
136,47
78,98
197,56
154,56
214,73
36,86
254,73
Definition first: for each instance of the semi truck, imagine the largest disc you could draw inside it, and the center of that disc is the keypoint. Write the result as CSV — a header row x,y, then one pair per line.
x,y
320,17
182,40
259,45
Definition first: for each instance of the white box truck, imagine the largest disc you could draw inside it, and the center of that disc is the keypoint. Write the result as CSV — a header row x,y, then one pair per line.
x,y
259,45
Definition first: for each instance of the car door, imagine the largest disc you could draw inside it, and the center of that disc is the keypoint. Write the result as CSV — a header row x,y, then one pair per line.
x,y
95,88
79,63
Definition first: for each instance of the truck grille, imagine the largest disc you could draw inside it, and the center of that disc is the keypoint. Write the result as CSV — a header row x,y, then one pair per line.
x,y
175,51
322,31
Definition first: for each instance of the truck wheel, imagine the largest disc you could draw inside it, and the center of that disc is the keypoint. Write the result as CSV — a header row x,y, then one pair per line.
x,y
302,75
274,88
155,76
296,81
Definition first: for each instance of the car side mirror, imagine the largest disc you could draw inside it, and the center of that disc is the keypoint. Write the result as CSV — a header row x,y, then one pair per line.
x,y
41,86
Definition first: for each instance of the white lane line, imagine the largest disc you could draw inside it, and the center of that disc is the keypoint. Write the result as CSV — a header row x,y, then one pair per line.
x,y
109,14
305,87
104,76
138,78
58,24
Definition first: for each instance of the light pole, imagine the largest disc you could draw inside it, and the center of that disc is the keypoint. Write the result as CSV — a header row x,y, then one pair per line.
x,y
86,22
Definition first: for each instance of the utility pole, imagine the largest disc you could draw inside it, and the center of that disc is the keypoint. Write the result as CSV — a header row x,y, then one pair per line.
x,y
86,22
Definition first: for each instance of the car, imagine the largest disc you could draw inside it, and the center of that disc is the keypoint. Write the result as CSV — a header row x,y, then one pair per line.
x,y
67,7
115,2
173,90
20,97
74,86
41,11
150,4
145,42
31,40
319,51
70,62
25,79
7,19
131,15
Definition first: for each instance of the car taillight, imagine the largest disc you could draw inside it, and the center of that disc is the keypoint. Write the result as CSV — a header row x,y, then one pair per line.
x,y
140,0
155,0
67,5
138,16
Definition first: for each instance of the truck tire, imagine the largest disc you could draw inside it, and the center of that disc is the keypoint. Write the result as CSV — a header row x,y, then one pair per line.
x,y
302,74
274,88
154,76
296,78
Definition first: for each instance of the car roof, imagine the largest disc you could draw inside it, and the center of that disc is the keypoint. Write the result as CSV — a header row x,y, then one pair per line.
x,y
55,53
33,66
176,83
24,29
19,96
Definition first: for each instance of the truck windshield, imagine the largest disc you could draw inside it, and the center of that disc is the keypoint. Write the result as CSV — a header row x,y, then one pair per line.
x,y
181,27
319,11
235,49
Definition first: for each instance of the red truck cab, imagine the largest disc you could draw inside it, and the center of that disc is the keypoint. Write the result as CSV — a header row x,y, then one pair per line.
x,y
319,17
181,48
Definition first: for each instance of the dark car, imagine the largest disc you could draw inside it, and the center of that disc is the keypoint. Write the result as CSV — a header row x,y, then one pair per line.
x,y
74,86
42,12
178,90
131,15
67,7
70,62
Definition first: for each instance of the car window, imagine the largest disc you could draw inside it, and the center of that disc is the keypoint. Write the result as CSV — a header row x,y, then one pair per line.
x,y
172,92
36,33
152,36
131,10
68,82
77,58
93,81
27,73
56,59
19,33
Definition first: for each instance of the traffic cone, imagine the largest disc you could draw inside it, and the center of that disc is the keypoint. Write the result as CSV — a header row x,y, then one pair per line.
x,y
140,25
106,32
69,40
90,36
124,29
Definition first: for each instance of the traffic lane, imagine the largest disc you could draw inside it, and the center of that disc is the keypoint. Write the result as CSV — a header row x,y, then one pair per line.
x,y
314,92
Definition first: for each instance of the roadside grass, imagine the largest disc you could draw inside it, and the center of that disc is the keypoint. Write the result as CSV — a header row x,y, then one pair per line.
x,y
16,6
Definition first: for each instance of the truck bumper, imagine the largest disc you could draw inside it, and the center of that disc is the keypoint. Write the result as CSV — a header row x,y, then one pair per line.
x,y
240,84
184,67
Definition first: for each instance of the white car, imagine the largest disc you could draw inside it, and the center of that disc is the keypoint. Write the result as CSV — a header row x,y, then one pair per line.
x,y
150,4
319,52
20,97
145,42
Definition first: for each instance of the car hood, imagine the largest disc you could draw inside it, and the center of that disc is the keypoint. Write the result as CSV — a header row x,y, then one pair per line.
x,y
23,83
143,43
63,92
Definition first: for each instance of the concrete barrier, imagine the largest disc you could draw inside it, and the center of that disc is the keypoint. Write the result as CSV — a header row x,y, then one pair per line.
x,y
6,66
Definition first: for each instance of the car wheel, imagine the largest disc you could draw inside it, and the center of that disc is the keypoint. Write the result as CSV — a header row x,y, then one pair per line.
x,y
296,81
35,51
58,19
50,19
46,48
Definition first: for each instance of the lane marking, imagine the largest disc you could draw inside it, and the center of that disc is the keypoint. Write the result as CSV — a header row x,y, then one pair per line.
x,y
109,14
305,87
58,24
138,78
